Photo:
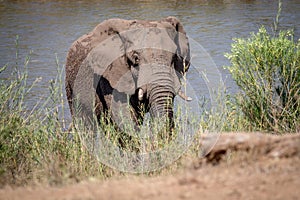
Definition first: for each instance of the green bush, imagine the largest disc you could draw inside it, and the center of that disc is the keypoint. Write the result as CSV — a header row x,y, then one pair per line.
x,y
267,69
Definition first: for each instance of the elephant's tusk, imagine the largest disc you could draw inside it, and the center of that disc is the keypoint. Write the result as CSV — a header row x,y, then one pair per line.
x,y
140,94
183,96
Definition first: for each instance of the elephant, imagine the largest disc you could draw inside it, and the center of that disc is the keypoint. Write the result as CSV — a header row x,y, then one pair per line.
x,y
127,65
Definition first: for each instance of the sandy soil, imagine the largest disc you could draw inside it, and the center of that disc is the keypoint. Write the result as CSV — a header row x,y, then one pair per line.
x,y
240,166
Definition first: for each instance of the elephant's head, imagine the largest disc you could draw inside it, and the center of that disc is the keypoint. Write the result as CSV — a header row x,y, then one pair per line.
x,y
139,61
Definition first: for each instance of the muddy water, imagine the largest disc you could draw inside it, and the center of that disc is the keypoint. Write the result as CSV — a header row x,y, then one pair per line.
x,y
46,29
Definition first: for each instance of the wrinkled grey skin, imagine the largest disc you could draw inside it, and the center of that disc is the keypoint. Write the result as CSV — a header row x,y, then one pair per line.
x,y
127,62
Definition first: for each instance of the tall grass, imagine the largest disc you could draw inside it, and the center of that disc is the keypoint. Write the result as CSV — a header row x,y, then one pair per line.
x,y
266,67
33,146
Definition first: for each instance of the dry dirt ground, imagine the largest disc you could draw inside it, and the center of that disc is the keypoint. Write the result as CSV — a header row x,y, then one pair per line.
x,y
240,166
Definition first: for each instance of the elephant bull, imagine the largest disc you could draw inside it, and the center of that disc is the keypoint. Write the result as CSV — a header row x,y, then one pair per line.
x,y
126,65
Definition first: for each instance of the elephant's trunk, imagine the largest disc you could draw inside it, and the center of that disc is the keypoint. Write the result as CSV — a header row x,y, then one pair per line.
x,y
161,95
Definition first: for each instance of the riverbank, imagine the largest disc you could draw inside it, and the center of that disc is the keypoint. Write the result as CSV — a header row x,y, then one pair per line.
x,y
240,166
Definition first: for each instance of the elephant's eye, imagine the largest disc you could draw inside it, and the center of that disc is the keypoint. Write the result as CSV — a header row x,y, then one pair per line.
x,y
135,58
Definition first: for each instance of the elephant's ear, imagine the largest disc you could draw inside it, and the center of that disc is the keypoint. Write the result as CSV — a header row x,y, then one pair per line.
x,y
108,57
183,49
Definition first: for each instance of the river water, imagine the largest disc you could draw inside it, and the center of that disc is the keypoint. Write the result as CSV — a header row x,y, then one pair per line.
x,y
46,29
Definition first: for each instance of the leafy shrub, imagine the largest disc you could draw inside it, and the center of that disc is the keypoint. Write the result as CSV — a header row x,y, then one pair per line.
x,y
267,70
